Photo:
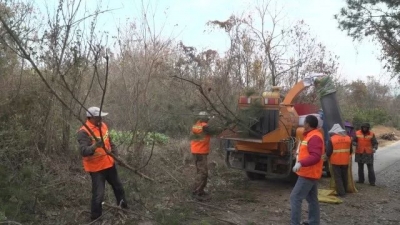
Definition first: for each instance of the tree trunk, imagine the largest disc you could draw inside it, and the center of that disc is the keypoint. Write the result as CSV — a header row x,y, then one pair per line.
x,y
66,129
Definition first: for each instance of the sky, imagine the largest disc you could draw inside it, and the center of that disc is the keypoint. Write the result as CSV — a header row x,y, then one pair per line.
x,y
186,20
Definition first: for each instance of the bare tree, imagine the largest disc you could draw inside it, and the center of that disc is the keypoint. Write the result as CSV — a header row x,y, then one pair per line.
x,y
66,61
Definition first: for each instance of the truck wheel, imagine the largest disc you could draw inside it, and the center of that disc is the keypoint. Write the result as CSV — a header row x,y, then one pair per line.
x,y
255,176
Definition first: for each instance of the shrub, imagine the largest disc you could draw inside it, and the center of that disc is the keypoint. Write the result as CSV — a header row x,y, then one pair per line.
x,y
373,116
125,137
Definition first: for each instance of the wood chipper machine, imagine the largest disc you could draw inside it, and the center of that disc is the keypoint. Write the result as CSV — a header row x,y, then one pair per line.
x,y
267,146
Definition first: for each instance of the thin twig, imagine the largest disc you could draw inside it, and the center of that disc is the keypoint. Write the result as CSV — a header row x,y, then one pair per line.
x,y
10,222
151,153
102,102
210,206
200,88
79,214
49,185
99,217
218,208
223,220
127,211
173,178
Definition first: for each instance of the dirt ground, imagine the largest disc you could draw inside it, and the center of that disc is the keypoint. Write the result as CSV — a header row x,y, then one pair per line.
x,y
379,130
243,201
237,200
267,202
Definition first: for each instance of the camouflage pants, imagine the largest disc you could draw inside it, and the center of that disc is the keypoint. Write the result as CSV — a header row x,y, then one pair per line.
x,y
201,174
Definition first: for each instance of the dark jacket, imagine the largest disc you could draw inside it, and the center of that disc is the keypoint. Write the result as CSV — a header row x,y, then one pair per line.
x,y
374,142
85,142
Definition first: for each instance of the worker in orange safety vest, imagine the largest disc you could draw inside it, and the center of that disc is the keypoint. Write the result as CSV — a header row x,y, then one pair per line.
x,y
308,167
200,148
366,146
339,150
97,162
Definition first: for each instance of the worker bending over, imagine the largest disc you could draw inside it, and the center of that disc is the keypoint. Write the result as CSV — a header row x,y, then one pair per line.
x,y
366,146
338,150
309,170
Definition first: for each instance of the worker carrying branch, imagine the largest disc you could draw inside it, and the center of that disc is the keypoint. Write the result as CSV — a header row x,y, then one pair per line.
x,y
338,150
200,148
97,162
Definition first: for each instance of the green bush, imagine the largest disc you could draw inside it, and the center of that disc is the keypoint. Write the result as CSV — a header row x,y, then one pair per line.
x,y
373,116
395,121
125,137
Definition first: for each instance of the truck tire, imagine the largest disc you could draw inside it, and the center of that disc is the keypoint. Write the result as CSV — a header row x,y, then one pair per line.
x,y
255,176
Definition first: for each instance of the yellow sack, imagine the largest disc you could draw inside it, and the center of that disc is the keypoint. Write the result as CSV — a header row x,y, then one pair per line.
x,y
351,187
328,196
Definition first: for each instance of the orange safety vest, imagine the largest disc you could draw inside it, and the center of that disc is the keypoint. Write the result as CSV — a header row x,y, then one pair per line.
x,y
341,150
315,171
100,160
201,144
364,142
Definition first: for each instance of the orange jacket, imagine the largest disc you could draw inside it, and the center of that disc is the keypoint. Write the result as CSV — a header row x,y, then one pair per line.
x,y
364,143
201,143
341,150
314,171
99,160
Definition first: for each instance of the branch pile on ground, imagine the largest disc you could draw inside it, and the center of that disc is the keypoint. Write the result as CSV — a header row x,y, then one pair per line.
x,y
388,136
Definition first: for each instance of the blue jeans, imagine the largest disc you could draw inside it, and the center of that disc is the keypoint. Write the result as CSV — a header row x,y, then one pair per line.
x,y
304,189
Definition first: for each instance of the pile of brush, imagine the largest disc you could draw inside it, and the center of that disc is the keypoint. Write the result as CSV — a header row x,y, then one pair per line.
x,y
388,136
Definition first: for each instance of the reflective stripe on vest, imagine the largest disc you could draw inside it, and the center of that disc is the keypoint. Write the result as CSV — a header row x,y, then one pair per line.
x,y
341,150
99,137
364,143
314,171
100,160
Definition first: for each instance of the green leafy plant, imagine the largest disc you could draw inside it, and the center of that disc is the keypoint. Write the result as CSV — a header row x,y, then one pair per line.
x,y
372,116
125,137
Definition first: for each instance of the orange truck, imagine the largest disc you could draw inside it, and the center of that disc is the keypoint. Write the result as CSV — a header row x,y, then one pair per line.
x,y
270,149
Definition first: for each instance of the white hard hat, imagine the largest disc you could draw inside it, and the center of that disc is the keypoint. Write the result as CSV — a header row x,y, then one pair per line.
x,y
203,113
95,111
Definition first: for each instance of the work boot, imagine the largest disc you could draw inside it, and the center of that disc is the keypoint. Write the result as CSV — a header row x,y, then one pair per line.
x,y
93,218
202,198
124,205
203,193
372,184
360,182
305,223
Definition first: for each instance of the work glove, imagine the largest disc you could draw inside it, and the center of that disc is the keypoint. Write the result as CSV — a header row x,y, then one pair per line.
x,y
96,145
324,157
296,167
355,144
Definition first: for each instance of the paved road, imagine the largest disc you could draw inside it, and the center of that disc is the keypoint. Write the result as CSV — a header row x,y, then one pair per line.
x,y
384,158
